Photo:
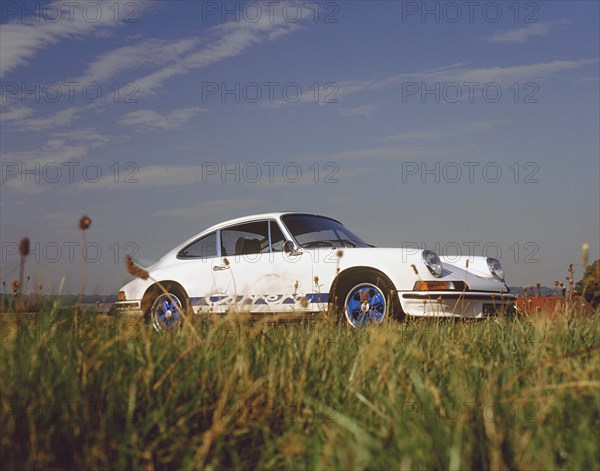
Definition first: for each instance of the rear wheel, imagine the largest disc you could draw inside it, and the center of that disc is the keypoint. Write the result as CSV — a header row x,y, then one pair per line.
x,y
167,309
368,298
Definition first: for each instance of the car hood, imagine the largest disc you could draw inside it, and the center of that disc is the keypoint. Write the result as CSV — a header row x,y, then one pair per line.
x,y
400,261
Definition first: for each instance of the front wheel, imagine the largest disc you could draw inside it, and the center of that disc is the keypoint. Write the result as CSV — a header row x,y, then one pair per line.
x,y
369,299
166,312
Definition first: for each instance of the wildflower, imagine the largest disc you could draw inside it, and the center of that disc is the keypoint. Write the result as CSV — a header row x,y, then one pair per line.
x,y
24,251
84,223
24,247
15,286
585,254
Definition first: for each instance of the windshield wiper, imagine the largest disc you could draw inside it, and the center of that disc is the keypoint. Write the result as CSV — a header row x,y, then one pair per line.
x,y
331,243
317,243
346,241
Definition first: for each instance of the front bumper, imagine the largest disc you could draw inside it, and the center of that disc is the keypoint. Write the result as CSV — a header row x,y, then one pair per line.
x,y
469,304
127,308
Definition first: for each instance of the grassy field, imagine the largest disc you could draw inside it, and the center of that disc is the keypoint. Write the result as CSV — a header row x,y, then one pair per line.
x,y
90,392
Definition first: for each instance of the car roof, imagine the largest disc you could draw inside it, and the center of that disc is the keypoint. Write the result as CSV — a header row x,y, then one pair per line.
x,y
240,220
254,217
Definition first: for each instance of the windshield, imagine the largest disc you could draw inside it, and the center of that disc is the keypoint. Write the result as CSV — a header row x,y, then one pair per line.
x,y
319,231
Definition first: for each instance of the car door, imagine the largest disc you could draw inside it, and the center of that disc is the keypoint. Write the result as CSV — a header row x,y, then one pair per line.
x,y
257,274
196,273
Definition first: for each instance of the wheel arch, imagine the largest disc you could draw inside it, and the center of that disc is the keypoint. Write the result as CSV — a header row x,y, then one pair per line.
x,y
346,276
153,290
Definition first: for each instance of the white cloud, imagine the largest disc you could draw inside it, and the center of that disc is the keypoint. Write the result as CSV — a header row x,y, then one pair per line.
x,y
152,119
414,136
27,169
91,136
504,75
62,147
144,53
457,73
433,134
364,111
60,118
461,74
370,154
227,40
54,150
15,113
21,41
522,35
155,176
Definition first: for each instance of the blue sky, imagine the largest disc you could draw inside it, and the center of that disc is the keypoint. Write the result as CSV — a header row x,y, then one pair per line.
x,y
450,125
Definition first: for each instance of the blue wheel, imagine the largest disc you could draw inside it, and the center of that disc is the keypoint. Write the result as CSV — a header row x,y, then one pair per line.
x,y
365,304
166,313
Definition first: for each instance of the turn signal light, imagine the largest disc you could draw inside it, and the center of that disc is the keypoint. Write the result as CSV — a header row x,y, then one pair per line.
x,y
121,296
433,286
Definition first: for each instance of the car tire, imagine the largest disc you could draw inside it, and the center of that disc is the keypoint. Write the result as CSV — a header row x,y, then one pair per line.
x,y
166,310
368,298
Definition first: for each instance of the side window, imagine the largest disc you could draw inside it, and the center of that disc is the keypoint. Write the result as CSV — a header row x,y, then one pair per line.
x,y
205,247
277,237
246,239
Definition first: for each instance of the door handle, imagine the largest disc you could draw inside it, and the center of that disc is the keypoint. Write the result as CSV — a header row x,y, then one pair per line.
x,y
220,267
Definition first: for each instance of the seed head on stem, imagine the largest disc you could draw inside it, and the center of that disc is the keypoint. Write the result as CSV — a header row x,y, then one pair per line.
x,y
23,251
135,270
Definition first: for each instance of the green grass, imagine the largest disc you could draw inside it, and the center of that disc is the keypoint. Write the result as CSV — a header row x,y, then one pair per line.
x,y
100,393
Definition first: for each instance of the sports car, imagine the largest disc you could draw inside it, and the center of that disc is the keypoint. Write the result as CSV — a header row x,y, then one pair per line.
x,y
298,264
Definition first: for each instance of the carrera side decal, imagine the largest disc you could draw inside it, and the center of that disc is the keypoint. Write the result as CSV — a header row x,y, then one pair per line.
x,y
265,300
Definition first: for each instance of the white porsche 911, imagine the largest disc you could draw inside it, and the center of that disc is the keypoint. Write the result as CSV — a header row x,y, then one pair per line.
x,y
297,264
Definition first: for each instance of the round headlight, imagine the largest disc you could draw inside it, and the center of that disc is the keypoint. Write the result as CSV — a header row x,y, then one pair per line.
x,y
495,268
432,262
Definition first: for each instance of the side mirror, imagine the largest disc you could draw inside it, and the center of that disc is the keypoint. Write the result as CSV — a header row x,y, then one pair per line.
x,y
290,248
